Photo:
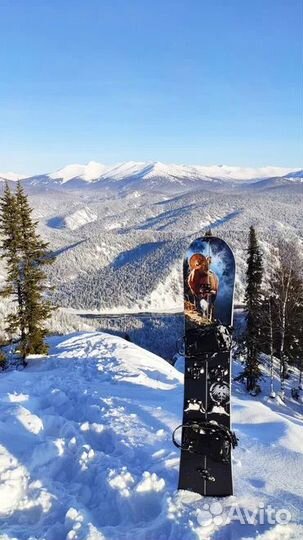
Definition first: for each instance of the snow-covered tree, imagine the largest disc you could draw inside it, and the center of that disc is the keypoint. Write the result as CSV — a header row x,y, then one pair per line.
x,y
287,289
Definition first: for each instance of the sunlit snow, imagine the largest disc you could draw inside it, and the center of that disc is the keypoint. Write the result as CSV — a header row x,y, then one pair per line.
x,y
86,451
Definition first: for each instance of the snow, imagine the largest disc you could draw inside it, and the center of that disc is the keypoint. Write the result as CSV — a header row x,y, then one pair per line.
x,y
167,294
86,451
227,172
125,170
14,177
80,217
85,274
88,172
94,171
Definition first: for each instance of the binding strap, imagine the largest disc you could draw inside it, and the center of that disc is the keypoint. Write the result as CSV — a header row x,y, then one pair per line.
x,y
206,439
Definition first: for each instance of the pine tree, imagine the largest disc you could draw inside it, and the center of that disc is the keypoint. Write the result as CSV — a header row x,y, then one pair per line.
x,y
253,301
26,255
10,234
34,256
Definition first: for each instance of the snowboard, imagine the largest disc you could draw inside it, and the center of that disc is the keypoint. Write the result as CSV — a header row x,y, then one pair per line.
x,y
205,435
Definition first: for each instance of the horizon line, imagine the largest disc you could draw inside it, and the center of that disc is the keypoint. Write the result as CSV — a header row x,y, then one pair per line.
x,y
23,175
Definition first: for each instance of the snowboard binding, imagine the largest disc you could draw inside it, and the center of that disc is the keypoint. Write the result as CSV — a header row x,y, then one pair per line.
x,y
208,439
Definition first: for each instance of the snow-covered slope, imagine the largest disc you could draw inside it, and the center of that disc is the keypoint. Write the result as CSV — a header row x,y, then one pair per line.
x,y
79,218
295,174
74,220
89,172
130,257
288,181
86,452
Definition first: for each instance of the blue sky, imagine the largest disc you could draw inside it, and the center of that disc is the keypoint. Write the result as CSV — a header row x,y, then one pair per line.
x,y
185,81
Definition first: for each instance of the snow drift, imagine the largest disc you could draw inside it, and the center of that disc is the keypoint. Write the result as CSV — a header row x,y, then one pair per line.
x,y
86,452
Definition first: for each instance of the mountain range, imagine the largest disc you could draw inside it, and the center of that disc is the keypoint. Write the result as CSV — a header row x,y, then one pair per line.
x,y
160,176
119,233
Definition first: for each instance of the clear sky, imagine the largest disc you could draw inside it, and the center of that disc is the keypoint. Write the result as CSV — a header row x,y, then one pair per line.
x,y
184,81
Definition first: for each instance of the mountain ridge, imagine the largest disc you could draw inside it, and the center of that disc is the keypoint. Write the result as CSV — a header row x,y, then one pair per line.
x,y
94,172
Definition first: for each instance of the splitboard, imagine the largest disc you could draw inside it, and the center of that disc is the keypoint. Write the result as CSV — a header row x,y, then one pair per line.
x,y
205,435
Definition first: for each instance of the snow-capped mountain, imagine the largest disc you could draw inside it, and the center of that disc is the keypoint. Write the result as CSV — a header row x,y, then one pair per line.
x,y
155,176
94,171
11,176
120,232
89,172
97,172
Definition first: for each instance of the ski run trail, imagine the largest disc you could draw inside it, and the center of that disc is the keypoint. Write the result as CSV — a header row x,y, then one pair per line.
x,y
86,452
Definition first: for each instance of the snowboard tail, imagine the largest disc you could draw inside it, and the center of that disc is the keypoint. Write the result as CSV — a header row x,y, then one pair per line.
x,y
206,438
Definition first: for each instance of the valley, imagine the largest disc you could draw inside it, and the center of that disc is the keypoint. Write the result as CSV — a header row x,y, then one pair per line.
x,y
119,239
